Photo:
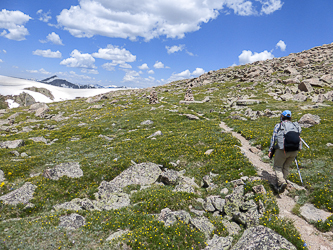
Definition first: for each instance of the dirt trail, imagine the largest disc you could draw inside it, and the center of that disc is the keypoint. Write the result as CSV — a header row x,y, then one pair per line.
x,y
314,239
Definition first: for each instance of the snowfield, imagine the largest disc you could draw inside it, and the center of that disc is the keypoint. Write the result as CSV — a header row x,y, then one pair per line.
x,y
15,86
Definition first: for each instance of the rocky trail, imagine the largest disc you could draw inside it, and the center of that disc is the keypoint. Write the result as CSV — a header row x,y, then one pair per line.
x,y
315,240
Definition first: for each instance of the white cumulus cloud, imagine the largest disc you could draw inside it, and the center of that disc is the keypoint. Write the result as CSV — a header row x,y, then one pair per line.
x,y
1,61
159,65
248,56
151,72
150,18
118,55
131,75
41,71
186,74
175,48
47,53
54,38
78,60
90,71
143,66
281,44
13,24
44,16
109,66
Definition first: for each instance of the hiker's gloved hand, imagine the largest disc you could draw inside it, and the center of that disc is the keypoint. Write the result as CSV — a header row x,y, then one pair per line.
x,y
269,154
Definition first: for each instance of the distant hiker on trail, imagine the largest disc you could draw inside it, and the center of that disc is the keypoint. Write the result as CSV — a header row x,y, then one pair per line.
x,y
285,143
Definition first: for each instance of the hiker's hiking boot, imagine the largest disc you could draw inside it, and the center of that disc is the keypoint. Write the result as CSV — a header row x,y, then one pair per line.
x,y
282,188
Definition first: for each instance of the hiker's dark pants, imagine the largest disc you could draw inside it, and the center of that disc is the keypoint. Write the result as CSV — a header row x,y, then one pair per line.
x,y
282,162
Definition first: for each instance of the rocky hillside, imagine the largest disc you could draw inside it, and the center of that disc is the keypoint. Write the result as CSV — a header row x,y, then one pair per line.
x,y
153,169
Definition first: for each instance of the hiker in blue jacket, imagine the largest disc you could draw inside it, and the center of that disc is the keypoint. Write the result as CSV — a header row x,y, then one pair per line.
x,y
285,142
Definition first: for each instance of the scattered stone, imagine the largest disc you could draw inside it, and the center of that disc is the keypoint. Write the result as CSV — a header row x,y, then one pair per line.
x,y
189,95
145,173
312,214
308,120
224,191
12,144
246,102
157,133
105,137
153,97
117,235
24,154
261,238
237,182
327,78
209,151
300,97
167,217
70,169
16,153
314,82
260,189
192,117
39,139
219,243
2,176
29,206
203,225
169,177
72,222
40,109
232,227
21,195
147,122
76,204
329,144
305,86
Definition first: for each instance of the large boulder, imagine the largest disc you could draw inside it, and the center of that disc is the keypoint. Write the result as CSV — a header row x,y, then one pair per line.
x,y
305,86
312,214
72,222
70,169
262,238
40,109
308,120
12,144
219,243
21,195
203,225
327,78
300,97
142,174
314,82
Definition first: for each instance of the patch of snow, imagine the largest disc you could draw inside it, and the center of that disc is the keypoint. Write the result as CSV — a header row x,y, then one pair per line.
x,y
12,104
15,86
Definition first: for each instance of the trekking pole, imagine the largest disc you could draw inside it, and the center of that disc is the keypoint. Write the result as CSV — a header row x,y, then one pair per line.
x,y
299,172
305,143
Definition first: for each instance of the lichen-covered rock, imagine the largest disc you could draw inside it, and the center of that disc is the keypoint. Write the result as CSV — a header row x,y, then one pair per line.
x,y
305,86
21,195
259,189
248,219
12,144
167,216
219,243
203,225
312,214
262,238
184,188
300,97
145,173
153,97
147,122
77,204
189,95
117,235
73,221
38,139
248,205
308,120
112,201
232,227
70,169
2,175
183,216
234,201
169,177
213,203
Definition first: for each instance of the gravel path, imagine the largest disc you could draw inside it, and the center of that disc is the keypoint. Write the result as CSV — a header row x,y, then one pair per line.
x,y
314,239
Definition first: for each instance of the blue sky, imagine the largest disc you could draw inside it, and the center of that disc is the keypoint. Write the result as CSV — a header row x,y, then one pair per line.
x,y
149,43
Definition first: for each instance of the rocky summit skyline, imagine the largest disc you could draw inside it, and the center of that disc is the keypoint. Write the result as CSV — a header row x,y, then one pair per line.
x,y
144,44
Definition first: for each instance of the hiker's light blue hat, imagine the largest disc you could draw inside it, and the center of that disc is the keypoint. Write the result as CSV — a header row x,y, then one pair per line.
x,y
286,113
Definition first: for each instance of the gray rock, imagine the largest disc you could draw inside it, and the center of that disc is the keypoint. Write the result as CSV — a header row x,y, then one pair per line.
x,y
248,219
14,152
203,225
2,176
157,133
291,71
224,191
40,109
234,201
237,182
153,97
24,154
219,243
183,216
21,195
327,78
259,189
314,82
39,139
300,97
184,188
147,122
246,102
305,86
192,117
312,214
72,222
76,204
248,205
261,208
232,227
209,151
167,216
12,144
145,173
70,169
287,97
117,235
308,120
169,177
105,137
262,238
112,201
291,81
